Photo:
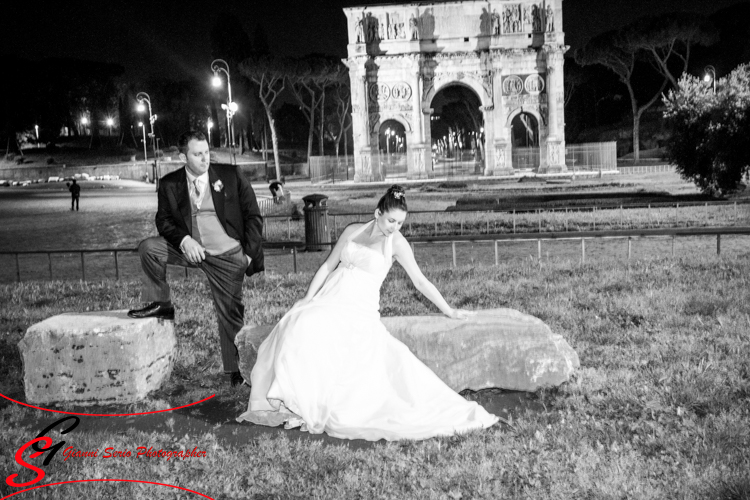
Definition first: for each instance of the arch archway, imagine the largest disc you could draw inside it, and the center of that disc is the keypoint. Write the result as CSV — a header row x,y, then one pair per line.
x,y
392,149
524,134
457,131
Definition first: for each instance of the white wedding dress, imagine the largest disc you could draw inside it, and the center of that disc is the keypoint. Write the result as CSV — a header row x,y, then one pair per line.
x,y
331,366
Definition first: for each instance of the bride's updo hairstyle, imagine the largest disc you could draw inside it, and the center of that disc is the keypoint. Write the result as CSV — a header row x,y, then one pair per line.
x,y
393,199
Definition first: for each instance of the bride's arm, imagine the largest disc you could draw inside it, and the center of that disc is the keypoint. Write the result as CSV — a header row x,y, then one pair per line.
x,y
404,255
329,265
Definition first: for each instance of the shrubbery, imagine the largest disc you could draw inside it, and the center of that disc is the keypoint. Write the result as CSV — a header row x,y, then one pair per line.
x,y
709,131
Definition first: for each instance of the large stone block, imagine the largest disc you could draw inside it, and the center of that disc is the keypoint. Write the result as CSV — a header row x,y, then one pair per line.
x,y
501,348
99,357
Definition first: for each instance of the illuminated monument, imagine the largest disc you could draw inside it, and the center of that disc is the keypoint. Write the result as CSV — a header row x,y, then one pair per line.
x,y
509,53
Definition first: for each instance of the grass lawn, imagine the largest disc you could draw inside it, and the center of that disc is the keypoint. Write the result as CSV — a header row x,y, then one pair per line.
x,y
659,409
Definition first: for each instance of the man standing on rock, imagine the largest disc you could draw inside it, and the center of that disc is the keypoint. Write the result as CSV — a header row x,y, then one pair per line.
x,y
75,194
207,217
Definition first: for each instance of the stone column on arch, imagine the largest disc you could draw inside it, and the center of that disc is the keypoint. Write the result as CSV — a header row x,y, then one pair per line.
x,y
363,158
555,141
418,148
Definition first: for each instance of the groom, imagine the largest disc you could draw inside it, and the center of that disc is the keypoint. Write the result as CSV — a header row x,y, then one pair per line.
x,y
208,218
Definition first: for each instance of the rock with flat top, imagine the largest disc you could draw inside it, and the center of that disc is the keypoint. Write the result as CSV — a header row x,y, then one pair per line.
x,y
500,348
96,358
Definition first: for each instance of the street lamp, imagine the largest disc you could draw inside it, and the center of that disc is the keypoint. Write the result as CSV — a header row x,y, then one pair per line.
x,y
230,107
110,122
84,122
145,152
36,127
710,76
209,126
143,101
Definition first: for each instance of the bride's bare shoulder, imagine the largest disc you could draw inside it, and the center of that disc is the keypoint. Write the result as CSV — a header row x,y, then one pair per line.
x,y
351,228
400,242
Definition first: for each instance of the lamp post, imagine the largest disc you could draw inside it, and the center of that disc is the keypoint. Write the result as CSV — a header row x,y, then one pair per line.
x,y
710,76
230,107
36,127
142,98
110,122
145,152
84,122
209,126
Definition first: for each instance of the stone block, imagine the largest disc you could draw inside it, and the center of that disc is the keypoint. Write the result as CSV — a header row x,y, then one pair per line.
x,y
500,348
96,358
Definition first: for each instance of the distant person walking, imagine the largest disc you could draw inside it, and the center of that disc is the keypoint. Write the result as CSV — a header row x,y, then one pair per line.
x,y
277,190
75,194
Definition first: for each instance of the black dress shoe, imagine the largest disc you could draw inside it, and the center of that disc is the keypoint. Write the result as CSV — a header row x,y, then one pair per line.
x,y
153,310
235,378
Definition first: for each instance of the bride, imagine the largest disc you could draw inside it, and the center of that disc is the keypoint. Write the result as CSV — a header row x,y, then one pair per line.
x,y
330,365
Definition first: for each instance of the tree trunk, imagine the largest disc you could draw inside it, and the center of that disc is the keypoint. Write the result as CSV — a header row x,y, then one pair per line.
x,y
322,119
311,132
275,141
636,136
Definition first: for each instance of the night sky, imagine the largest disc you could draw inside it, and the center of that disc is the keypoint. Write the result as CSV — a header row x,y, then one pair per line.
x,y
170,38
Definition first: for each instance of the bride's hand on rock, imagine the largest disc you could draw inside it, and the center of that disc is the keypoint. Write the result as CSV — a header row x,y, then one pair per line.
x,y
461,314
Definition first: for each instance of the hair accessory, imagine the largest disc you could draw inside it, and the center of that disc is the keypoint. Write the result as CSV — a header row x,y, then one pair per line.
x,y
398,195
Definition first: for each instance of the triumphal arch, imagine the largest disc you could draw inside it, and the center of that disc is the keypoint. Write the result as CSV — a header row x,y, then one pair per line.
x,y
509,53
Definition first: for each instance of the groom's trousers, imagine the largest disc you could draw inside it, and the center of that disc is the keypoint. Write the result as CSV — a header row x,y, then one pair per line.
x,y
225,274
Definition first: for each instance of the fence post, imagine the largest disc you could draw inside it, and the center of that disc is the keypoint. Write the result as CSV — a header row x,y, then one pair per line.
x,y
593,217
18,270
539,250
718,244
539,217
673,238
289,227
117,268
186,272
676,210
83,268
583,251
453,245
49,263
294,256
497,259
630,241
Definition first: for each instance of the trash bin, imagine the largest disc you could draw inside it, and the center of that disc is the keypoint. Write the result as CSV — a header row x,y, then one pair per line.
x,y
317,235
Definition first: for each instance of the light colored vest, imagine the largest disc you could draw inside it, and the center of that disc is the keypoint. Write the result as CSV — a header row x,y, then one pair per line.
x,y
207,229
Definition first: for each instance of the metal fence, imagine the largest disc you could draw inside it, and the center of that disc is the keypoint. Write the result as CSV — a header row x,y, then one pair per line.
x,y
391,165
453,240
530,220
331,169
525,158
591,156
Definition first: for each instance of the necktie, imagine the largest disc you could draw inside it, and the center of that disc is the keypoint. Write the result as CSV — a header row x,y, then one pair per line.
x,y
196,194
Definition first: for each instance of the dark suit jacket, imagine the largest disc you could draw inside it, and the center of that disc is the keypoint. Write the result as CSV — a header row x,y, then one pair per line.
x,y
236,208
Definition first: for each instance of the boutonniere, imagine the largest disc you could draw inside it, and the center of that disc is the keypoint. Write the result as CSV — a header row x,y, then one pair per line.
x,y
218,186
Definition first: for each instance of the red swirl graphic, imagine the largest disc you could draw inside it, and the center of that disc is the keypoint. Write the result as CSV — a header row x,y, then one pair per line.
x,y
121,480
105,414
